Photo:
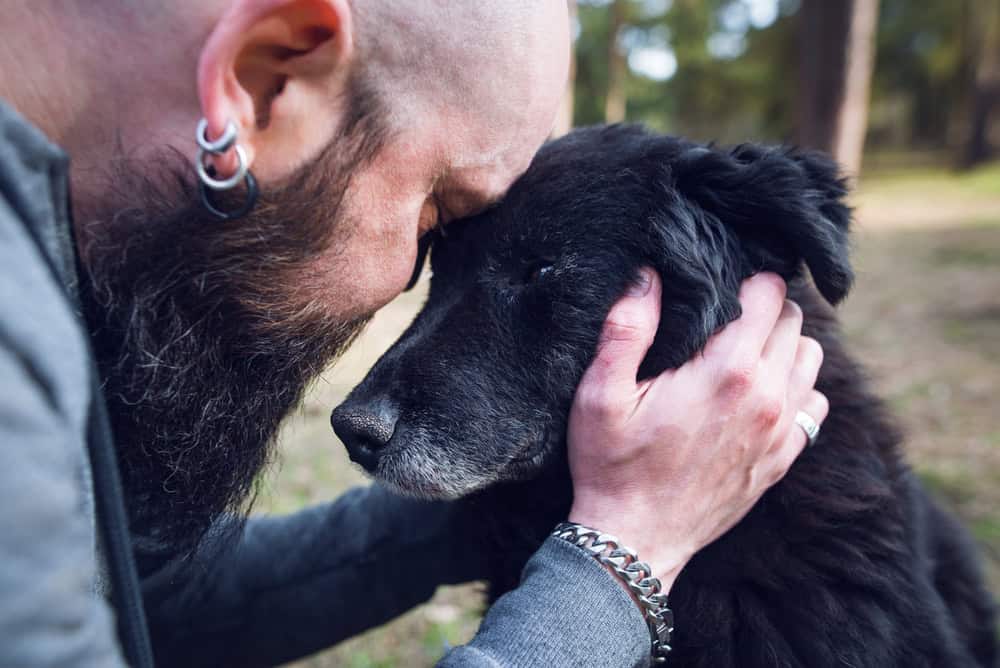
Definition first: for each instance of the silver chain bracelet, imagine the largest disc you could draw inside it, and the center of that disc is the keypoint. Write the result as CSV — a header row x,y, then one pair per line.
x,y
636,575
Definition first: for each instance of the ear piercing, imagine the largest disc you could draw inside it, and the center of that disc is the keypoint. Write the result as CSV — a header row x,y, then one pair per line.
x,y
206,173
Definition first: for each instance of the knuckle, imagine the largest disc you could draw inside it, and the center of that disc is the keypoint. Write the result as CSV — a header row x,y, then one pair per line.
x,y
769,412
812,350
757,479
623,328
773,284
738,380
630,320
599,402
793,311
778,471
822,405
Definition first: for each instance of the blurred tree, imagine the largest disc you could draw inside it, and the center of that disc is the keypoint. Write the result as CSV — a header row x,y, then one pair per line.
x,y
836,51
614,100
921,86
729,70
734,67
984,80
705,68
564,121
590,85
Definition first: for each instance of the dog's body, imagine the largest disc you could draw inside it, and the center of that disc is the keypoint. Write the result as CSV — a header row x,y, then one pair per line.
x,y
845,562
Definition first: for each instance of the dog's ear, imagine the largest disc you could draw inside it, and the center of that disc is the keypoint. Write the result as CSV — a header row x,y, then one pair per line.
x,y
785,207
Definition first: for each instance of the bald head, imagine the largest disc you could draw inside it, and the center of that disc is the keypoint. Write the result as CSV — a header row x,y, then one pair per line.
x,y
508,58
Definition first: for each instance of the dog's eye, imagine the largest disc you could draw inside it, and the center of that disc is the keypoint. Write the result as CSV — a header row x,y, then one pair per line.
x,y
537,272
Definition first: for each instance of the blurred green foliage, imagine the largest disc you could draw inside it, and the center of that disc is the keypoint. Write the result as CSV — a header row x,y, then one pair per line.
x,y
726,69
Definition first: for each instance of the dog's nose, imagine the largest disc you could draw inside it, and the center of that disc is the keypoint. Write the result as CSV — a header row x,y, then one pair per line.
x,y
364,429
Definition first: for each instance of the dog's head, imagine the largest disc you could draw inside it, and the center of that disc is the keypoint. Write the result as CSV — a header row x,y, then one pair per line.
x,y
478,389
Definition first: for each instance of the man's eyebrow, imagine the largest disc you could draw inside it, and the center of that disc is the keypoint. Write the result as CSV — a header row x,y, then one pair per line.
x,y
465,196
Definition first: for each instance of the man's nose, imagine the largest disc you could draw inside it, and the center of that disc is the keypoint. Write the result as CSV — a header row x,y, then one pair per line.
x,y
365,427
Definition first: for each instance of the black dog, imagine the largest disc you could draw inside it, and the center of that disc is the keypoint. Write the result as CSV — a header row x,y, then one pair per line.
x,y
846,562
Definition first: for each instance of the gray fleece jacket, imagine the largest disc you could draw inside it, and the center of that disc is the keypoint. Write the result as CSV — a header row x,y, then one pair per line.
x,y
288,586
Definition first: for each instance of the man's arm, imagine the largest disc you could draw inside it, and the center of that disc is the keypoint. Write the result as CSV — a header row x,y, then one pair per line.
x,y
290,586
285,587
568,611
50,614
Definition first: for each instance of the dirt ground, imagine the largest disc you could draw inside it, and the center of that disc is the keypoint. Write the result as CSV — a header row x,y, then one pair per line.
x,y
924,317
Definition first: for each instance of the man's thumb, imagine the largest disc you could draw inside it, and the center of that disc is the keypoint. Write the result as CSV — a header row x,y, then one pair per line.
x,y
628,333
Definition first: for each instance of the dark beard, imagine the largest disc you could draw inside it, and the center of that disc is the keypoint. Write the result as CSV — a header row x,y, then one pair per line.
x,y
204,339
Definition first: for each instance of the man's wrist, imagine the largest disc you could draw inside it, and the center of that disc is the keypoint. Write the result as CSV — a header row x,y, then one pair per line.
x,y
623,563
667,561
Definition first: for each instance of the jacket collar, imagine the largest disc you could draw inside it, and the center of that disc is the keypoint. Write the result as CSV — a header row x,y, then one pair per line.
x,y
34,181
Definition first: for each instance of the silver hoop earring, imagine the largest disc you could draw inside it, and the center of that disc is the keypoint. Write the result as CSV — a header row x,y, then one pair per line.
x,y
220,145
206,173
222,184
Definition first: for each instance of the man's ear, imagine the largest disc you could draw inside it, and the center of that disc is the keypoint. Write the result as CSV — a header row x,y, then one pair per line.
x,y
785,207
275,68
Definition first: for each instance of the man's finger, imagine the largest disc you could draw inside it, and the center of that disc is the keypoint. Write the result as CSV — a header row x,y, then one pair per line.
x,y
805,370
815,406
781,347
800,389
762,297
628,333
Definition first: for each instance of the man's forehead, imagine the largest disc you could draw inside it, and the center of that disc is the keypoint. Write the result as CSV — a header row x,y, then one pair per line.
x,y
477,186
482,175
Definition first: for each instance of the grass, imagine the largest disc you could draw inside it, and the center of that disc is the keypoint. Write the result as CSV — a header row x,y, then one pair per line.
x,y
926,196
920,176
924,317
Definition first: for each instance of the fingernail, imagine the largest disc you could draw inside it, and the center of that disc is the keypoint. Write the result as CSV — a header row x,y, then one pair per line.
x,y
641,287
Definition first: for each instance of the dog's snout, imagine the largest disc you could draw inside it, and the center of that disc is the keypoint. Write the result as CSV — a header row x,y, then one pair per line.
x,y
364,429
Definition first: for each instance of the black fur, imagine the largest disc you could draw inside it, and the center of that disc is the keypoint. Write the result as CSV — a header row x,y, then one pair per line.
x,y
846,562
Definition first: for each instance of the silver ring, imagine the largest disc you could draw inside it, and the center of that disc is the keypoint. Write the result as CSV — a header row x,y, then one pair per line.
x,y
220,145
809,426
222,184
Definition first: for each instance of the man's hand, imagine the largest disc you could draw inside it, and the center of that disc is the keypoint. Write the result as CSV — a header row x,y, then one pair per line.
x,y
671,463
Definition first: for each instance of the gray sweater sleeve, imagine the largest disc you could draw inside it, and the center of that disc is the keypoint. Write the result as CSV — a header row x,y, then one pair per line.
x,y
50,611
568,611
285,587
289,586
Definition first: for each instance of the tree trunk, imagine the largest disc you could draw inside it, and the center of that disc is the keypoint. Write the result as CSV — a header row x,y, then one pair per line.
x,y
564,121
614,103
836,57
985,84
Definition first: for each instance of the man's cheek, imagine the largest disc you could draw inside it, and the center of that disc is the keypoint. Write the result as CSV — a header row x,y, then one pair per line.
x,y
354,279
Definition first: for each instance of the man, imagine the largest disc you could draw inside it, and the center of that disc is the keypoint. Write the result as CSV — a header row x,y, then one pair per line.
x,y
345,130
